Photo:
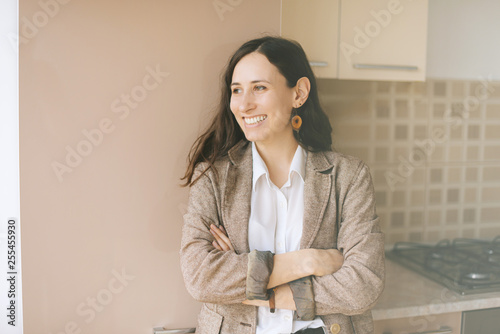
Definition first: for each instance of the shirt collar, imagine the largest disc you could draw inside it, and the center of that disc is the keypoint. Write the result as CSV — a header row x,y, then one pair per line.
x,y
298,165
259,167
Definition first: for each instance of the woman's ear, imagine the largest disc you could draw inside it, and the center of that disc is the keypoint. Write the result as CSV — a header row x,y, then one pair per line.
x,y
302,89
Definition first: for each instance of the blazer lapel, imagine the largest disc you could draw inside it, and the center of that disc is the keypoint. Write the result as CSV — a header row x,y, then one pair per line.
x,y
317,189
236,201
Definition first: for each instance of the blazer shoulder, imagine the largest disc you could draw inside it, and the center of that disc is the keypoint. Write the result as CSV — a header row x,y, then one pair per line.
x,y
347,168
219,165
239,157
342,161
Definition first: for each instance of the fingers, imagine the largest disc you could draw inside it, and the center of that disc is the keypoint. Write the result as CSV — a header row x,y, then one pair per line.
x,y
221,238
216,245
220,243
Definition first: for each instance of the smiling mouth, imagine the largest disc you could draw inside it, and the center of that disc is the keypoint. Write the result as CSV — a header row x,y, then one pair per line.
x,y
254,120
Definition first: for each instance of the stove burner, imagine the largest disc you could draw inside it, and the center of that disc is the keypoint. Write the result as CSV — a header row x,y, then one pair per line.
x,y
490,250
463,265
437,258
492,253
494,258
436,255
477,276
445,256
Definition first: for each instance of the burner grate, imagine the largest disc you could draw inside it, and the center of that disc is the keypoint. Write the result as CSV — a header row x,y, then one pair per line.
x,y
463,265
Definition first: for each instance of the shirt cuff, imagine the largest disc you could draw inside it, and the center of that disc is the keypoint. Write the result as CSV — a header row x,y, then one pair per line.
x,y
260,266
303,296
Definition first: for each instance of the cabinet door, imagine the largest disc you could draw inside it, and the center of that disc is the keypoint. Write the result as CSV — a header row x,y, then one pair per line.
x,y
481,321
383,40
314,24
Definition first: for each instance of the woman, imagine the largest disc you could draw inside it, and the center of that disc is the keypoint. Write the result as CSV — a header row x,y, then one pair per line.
x,y
281,233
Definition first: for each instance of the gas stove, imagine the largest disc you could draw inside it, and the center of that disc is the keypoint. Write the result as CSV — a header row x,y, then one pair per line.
x,y
466,266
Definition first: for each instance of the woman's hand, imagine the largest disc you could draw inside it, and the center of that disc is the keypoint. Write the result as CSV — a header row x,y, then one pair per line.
x,y
289,266
305,262
283,299
221,241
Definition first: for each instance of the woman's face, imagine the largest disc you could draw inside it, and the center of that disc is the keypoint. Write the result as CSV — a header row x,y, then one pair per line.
x,y
261,101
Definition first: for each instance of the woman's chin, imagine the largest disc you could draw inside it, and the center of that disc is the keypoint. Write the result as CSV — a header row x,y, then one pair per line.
x,y
251,136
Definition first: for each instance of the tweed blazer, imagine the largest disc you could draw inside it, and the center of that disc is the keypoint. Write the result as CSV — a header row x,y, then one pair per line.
x,y
339,212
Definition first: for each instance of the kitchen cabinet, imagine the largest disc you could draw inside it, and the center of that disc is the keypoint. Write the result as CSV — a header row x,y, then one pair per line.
x,y
360,39
314,24
481,321
449,323
463,40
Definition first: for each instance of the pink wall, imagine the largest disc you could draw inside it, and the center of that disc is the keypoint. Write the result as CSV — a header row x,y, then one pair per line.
x,y
100,233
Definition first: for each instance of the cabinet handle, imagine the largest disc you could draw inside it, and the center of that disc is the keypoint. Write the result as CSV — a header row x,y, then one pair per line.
x,y
386,67
318,63
161,330
442,330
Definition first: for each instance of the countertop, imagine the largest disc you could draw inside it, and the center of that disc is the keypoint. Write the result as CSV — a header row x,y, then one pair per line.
x,y
408,294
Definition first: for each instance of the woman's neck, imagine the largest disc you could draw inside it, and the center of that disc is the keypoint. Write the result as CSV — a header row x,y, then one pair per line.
x,y
278,157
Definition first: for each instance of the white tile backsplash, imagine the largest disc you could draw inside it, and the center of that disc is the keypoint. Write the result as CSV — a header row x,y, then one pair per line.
x,y
433,149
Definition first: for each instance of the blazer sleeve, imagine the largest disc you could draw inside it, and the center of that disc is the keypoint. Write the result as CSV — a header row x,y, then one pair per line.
x,y
210,275
355,287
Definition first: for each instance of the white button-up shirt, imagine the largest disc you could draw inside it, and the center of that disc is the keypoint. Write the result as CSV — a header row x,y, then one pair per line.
x,y
276,225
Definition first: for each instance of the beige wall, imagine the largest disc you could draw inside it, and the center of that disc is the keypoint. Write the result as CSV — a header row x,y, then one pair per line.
x,y
117,209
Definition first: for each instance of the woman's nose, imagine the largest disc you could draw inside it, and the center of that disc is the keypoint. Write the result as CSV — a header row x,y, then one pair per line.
x,y
247,102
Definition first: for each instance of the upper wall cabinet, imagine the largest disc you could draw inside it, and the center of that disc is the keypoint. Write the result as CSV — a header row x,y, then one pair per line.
x,y
360,39
464,40
314,24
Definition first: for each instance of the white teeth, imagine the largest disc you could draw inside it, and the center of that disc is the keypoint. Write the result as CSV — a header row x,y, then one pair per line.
x,y
254,120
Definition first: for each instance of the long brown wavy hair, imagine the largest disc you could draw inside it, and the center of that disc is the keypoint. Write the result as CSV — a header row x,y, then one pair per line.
x,y
224,132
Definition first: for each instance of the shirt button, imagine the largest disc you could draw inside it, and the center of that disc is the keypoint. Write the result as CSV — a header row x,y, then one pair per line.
x,y
335,328
282,204
287,317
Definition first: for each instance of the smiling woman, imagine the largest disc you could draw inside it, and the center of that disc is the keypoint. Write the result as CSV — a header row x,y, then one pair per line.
x,y
281,233
262,102
286,58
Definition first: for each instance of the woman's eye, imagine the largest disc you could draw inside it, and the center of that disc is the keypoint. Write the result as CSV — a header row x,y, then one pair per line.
x,y
260,87
236,90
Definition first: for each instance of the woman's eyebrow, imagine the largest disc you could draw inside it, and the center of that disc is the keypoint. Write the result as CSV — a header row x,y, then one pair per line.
x,y
254,81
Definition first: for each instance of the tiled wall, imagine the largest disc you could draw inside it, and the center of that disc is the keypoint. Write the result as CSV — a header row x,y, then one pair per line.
x,y
433,149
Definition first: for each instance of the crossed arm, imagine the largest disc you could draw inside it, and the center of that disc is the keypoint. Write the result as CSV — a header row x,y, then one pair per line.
x,y
218,275
287,267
